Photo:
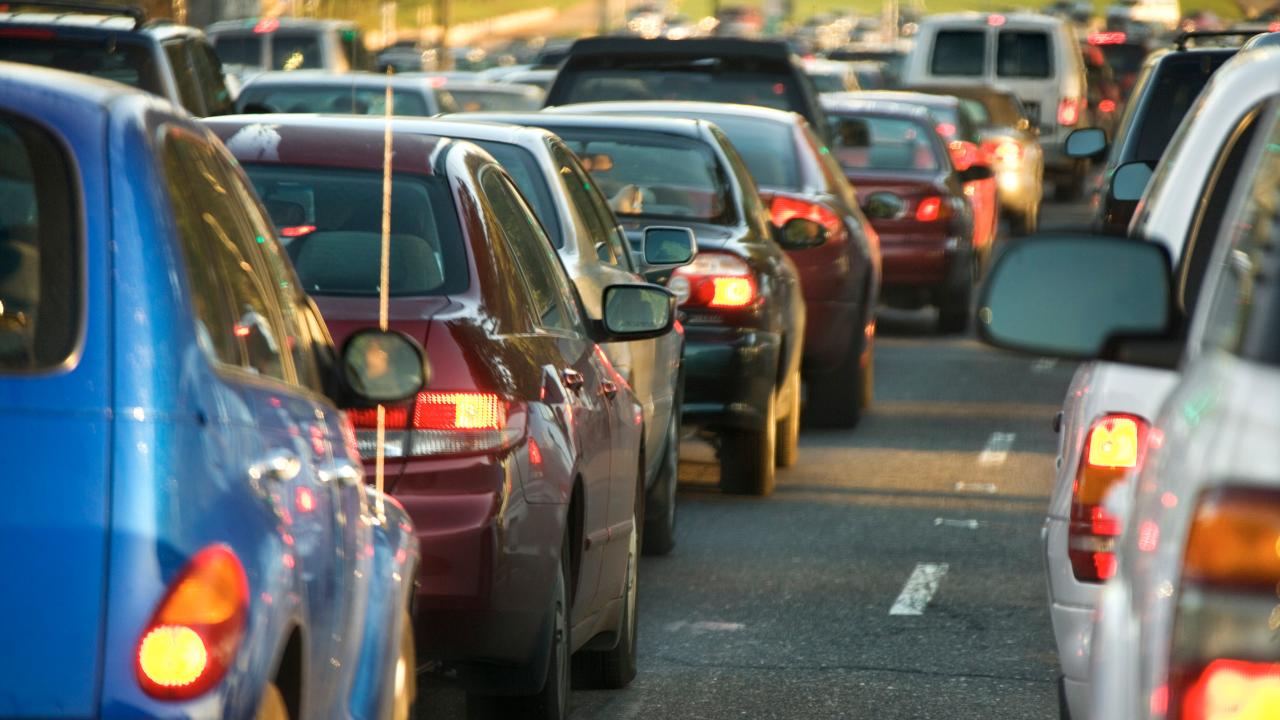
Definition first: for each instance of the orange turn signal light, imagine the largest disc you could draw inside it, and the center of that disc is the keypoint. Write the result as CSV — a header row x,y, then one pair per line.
x,y
1114,443
1235,538
732,292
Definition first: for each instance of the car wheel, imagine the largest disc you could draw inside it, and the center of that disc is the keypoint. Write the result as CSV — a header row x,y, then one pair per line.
x,y
272,706
552,702
406,679
660,501
615,669
836,398
747,456
787,451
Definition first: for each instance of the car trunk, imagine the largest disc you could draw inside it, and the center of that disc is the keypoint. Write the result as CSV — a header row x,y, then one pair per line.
x,y
912,188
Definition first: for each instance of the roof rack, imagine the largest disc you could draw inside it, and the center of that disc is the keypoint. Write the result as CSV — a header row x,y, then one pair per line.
x,y
1181,42
138,14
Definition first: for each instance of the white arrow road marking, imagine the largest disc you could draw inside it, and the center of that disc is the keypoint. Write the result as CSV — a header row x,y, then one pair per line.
x,y
971,524
976,487
919,589
1043,365
997,449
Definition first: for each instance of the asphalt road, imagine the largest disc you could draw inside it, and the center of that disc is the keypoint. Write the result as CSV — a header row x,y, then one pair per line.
x,y
783,607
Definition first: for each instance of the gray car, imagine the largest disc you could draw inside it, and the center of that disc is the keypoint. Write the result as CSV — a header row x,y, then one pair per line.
x,y
596,253
357,93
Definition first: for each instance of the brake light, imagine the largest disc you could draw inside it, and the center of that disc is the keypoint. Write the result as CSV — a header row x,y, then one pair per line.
x,y
266,25
1069,111
28,33
438,81
946,130
449,423
932,208
1114,451
716,280
196,630
1107,106
1273,27
783,209
1006,151
297,230
995,20
1106,38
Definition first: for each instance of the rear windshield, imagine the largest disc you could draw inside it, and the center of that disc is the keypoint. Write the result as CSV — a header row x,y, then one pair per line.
x,y
490,101
654,175
295,51
523,168
664,77
1124,58
239,50
1023,54
39,250
767,148
343,100
1170,93
880,143
330,221
828,82
959,52
120,61
1003,109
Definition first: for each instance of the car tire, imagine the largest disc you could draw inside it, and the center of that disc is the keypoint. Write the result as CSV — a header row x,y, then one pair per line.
x,y
747,456
787,445
615,669
660,501
405,688
272,706
1064,710
836,398
953,303
1025,223
552,702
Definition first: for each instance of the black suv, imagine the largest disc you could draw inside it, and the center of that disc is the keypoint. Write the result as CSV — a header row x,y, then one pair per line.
x,y
117,42
722,70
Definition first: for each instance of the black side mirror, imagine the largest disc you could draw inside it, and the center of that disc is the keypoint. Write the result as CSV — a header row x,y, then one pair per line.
x,y
1085,143
668,247
800,233
635,311
1072,295
883,206
384,366
1130,181
974,173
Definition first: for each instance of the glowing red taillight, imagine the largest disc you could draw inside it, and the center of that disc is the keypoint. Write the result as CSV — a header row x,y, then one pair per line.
x,y
1113,452
297,230
1006,151
714,280
1069,111
1107,106
266,25
443,423
783,209
932,208
196,630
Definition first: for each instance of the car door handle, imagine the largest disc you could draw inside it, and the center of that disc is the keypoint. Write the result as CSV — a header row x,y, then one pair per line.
x,y
609,388
573,379
279,464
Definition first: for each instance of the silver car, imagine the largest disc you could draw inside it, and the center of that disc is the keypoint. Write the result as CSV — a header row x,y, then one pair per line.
x,y
596,253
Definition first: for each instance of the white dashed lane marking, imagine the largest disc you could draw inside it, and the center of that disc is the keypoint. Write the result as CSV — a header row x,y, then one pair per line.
x,y
919,589
997,449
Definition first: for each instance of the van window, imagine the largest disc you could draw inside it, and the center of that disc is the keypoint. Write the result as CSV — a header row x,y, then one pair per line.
x,y
239,49
959,52
125,61
294,51
39,250
184,74
1023,54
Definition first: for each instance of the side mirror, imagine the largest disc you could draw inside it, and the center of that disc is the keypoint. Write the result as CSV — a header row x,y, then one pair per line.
x,y
801,234
1130,180
973,173
1085,143
1068,295
883,206
635,311
384,366
668,247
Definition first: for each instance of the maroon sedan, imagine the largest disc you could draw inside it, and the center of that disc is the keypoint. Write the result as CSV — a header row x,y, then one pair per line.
x,y
521,464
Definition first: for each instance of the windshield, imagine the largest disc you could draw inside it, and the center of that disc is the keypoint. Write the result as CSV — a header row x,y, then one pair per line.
x,y
294,51
663,77
654,175
340,99
1169,95
495,101
330,221
523,169
239,49
767,147
123,61
828,82
881,143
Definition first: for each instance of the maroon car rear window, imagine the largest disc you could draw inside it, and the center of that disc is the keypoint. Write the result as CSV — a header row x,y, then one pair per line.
x,y
883,143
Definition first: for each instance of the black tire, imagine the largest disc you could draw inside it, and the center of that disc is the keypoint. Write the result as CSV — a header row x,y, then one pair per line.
x,y
787,445
615,669
552,702
747,456
836,398
660,501
1064,710
953,301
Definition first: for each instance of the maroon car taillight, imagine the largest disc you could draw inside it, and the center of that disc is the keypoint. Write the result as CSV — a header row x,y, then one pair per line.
x,y
1114,452
783,209
933,208
1070,110
714,280
1224,661
444,423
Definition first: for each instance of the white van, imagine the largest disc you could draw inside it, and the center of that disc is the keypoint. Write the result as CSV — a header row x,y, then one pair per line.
x,y
1035,56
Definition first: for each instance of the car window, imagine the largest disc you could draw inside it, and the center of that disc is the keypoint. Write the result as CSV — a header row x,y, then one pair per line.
x,y
753,209
959,52
578,184
767,147
40,250
234,322
533,252
213,87
977,111
1171,93
883,143
239,49
523,168
124,61
353,49
498,100
295,51
1023,54
337,99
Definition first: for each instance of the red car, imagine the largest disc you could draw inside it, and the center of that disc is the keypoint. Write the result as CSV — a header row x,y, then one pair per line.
x,y
916,201
521,465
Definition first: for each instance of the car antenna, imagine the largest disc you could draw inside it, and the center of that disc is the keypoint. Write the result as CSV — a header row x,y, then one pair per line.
x,y
384,291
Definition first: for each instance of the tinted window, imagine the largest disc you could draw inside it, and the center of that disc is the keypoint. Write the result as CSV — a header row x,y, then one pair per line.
x,y
39,250
353,49
123,62
882,143
1170,93
291,51
523,169
768,148
239,50
343,100
492,101
213,88
959,52
531,250
653,175
1124,58
1023,54
752,81
828,83
331,223
578,185
184,75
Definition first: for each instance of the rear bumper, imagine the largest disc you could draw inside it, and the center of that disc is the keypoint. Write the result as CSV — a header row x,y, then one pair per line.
x,y
917,263
729,375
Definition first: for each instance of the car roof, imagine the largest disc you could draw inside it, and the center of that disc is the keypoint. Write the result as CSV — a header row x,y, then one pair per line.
x,y
284,23
328,79
699,46
472,127
899,96
61,84
506,88
669,126
341,141
638,107
961,91
886,108
982,18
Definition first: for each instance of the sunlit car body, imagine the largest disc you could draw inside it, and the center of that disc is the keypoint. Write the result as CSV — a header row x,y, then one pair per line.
x,y
249,47
840,278
496,96
596,253
201,466
1182,211
354,93
741,303
521,467
894,155
1011,146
